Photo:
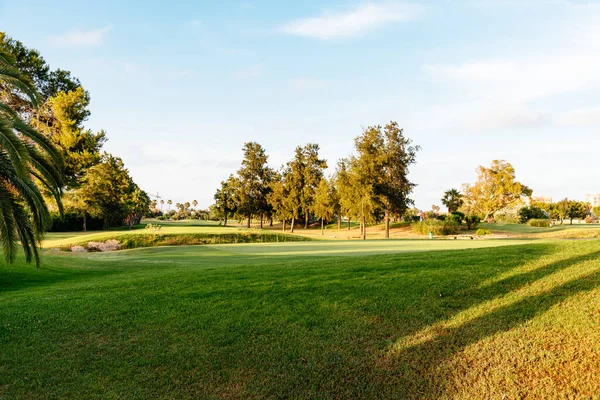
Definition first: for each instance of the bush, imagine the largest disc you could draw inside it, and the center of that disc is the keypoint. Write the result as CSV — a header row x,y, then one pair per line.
x,y
527,213
539,223
472,221
457,217
447,227
589,219
507,215
412,218
483,232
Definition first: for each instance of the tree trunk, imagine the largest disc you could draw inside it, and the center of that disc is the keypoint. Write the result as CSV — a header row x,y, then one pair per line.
x,y
292,227
249,218
225,223
348,223
261,221
322,228
387,224
271,222
306,221
84,222
339,221
283,225
364,228
571,221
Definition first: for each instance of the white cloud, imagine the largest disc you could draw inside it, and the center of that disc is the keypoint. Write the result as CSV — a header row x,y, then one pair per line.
x,y
581,116
252,71
500,117
308,84
81,38
522,89
351,23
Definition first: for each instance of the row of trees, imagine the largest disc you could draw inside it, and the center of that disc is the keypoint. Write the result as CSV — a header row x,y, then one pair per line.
x,y
370,185
59,167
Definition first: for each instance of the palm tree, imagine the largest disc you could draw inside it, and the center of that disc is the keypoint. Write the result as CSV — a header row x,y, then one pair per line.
x,y
169,202
195,203
453,200
162,202
28,161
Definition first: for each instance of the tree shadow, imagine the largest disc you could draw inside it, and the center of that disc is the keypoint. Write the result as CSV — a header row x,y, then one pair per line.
x,y
420,367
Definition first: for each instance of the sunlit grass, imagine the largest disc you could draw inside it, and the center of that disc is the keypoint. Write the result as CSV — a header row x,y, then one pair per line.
x,y
298,320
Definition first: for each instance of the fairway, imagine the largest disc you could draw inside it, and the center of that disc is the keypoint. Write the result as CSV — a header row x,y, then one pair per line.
x,y
351,319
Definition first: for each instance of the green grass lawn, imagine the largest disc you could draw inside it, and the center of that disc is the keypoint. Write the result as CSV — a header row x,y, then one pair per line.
x,y
525,229
519,319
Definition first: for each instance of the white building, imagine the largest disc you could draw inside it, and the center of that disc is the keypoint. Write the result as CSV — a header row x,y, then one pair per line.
x,y
593,199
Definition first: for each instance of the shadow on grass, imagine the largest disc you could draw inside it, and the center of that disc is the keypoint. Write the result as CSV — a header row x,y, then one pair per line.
x,y
422,368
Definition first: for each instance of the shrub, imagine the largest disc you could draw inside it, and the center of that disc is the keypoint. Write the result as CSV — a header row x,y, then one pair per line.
x,y
457,217
447,227
507,215
412,218
589,219
472,221
483,232
78,249
527,213
539,223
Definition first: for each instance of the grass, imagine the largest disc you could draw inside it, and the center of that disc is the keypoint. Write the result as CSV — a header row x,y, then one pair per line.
x,y
306,320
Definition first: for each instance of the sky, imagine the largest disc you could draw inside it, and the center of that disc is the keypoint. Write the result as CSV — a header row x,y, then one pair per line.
x,y
180,86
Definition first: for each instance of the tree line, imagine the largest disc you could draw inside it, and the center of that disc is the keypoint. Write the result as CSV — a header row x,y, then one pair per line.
x,y
368,186
48,109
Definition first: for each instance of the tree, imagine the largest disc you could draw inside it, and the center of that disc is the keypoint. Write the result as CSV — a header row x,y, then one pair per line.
x,y
105,189
279,198
381,168
312,172
574,209
225,198
324,207
195,203
27,159
254,182
496,188
162,203
47,83
452,200
169,202
61,119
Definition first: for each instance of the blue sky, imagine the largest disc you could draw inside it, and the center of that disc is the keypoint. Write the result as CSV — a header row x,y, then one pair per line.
x,y
180,86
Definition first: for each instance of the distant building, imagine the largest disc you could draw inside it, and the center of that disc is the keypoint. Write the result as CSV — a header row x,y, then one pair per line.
x,y
541,199
593,199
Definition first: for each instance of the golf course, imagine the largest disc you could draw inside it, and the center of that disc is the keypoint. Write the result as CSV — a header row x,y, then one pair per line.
x,y
375,319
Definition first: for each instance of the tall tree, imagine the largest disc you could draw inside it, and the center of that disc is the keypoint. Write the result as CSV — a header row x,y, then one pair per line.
x,y
496,188
294,176
105,191
26,159
324,206
255,177
61,119
225,198
452,200
397,155
381,168
279,197
312,175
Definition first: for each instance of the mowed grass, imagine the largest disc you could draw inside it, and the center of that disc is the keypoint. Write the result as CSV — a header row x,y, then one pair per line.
x,y
305,320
